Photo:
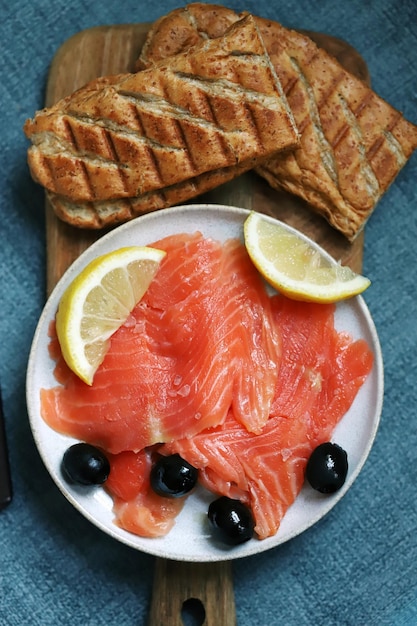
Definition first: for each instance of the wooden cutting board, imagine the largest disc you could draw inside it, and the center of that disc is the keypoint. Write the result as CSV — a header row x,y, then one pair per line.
x,y
107,50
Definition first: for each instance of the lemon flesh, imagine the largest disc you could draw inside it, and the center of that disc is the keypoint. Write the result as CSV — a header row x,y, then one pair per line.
x,y
98,301
296,266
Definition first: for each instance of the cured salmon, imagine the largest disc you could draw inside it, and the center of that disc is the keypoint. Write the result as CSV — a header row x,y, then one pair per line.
x,y
242,385
137,508
202,340
319,376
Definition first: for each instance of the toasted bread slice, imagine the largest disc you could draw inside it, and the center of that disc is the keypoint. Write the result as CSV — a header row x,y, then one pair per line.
x,y
182,28
104,213
353,143
213,108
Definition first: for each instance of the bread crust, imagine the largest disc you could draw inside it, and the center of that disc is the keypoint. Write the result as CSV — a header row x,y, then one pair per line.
x,y
216,108
353,143
105,213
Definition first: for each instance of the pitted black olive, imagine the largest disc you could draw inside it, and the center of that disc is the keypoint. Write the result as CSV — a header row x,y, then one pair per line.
x,y
85,464
232,520
327,468
173,476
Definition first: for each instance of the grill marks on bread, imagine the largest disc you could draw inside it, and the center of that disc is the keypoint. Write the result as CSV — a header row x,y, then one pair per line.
x,y
353,143
108,212
151,135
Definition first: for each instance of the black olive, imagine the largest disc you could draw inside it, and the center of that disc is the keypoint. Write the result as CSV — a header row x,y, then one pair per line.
x,y
232,520
173,476
85,464
327,467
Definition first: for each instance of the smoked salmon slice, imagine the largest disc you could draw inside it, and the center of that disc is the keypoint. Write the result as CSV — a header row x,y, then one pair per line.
x,y
137,508
319,376
201,341
242,385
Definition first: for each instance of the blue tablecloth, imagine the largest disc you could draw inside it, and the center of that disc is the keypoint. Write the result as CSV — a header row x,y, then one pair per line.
x,y
358,566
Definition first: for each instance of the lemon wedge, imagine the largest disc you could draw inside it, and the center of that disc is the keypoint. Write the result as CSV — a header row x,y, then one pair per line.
x,y
98,302
296,266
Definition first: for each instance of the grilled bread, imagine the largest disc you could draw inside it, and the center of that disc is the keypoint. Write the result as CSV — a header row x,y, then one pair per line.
x,y
353,143
130,143
105,213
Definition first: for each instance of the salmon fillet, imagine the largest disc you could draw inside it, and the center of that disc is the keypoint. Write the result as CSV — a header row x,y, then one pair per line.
x,y
201,341
241,384
320,373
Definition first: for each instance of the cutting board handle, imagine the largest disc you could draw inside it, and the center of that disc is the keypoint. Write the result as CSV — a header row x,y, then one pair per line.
x,y
192,594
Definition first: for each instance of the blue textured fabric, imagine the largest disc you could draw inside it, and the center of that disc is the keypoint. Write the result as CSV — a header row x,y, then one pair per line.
x,y
358,566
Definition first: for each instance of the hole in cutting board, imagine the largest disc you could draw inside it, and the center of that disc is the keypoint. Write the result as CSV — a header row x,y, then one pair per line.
x,y
193,612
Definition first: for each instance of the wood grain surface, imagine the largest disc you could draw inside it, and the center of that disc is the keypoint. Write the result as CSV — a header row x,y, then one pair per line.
x,y
105,50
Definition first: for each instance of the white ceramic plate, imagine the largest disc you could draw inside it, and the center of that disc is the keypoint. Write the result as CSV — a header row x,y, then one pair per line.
x,y
190,539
